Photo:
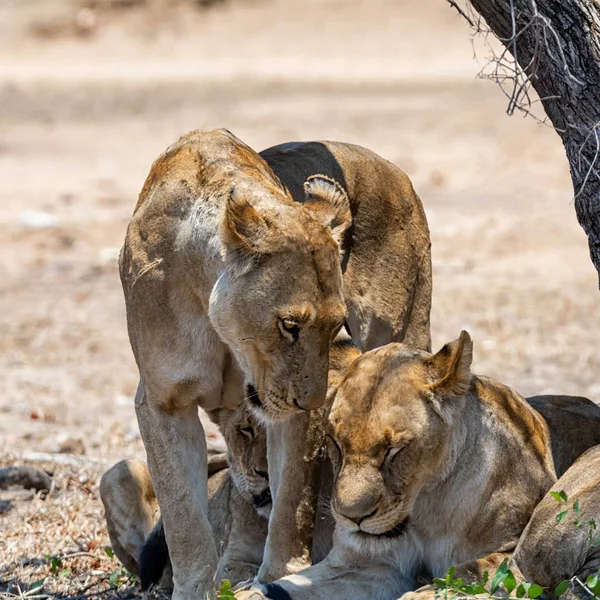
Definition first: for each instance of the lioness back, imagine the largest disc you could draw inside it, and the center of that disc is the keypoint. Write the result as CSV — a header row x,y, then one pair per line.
x,y
574,425
382,194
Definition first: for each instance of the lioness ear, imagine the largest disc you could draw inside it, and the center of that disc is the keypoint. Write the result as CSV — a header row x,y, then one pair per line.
x,y
451,367
243,230
328,201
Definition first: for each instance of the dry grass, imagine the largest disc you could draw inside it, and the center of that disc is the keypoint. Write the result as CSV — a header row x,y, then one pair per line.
x,y
55,545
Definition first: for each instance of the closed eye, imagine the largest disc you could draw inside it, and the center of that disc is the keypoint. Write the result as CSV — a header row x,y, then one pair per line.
x,y
247,431
334,450
337,328
390,454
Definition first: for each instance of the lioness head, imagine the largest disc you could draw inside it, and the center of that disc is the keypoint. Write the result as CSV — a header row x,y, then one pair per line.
x,y
246,441
389,433
280,302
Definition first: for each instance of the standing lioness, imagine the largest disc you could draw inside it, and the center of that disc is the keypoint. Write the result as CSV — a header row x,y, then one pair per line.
x,y
228,281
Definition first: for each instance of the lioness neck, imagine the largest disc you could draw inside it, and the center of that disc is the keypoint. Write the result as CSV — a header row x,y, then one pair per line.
x,y
501,467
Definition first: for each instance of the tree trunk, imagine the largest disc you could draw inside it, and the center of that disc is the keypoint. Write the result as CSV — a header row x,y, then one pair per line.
x,y
557,44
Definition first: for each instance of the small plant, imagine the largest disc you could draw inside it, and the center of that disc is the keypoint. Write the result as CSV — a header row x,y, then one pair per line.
x,y
121,576
592,583
226,592
449,587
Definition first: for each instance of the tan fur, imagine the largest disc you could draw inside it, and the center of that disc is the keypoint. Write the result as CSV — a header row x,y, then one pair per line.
x,y
549,553
229,279
238,526
433,467
130,507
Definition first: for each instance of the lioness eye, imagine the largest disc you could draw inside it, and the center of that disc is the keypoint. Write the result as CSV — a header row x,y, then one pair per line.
x,y
334,450
289,328
390,454
336,329
247,431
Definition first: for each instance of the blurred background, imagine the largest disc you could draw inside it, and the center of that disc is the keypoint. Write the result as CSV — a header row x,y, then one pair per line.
x,y
91,91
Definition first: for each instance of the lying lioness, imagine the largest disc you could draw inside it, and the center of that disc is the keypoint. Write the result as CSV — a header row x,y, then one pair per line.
x,y
562,413
433,467
550,552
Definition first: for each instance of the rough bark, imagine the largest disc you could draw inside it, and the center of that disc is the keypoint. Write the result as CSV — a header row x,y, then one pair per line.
x,y
557,44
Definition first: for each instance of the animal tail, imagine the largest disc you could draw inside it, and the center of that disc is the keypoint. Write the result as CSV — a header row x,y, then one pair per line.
x,y
154,556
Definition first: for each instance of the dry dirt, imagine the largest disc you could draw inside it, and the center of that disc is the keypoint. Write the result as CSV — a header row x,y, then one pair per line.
x,y
91,94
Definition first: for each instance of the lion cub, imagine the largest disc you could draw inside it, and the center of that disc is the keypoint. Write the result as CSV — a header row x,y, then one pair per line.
x,y
238,507
433,467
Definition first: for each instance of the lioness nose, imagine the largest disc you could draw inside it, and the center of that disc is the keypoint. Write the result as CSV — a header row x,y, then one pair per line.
x,y
310,402
311,394
358,519
262,474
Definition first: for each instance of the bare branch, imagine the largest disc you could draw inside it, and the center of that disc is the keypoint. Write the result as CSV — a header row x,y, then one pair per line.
x,y
461,12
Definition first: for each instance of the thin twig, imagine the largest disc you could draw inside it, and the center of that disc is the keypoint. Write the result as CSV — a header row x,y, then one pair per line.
x,y
461,12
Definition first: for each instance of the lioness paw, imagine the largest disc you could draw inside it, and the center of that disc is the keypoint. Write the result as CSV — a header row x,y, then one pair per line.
x,y
251,594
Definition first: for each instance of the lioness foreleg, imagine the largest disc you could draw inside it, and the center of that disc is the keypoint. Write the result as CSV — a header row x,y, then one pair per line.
x,y
244,552
292,447
336,577
176,449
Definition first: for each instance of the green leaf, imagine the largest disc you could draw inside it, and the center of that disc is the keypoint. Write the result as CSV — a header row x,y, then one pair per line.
x,y
441,583
226,593
535,591
560,496
509,582
500,576
109,552
55,565
596,543
64,572
523,589
486,577
576,507
112,580
560,517
592,581
562,587
37,584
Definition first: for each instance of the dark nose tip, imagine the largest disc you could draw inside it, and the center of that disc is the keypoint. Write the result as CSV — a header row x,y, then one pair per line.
x,y
311,402
262,474
298,405
359,520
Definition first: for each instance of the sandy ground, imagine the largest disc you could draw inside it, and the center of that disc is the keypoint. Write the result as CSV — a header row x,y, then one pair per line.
x,y
88,98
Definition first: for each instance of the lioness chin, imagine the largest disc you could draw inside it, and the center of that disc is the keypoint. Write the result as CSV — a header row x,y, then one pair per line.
x,y
433,467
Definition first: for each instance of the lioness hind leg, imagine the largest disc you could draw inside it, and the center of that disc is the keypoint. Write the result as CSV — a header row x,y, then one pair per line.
x,y
131,509
177,458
